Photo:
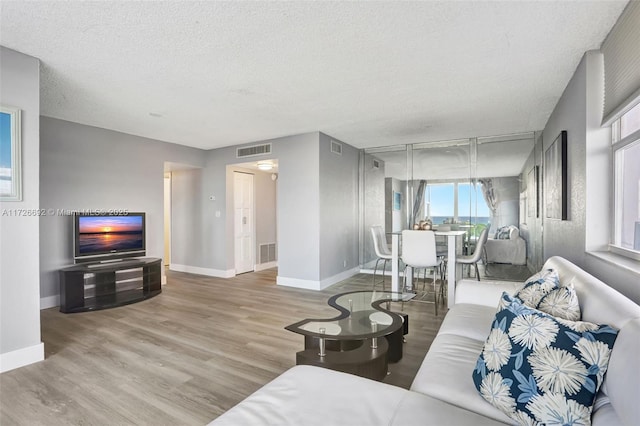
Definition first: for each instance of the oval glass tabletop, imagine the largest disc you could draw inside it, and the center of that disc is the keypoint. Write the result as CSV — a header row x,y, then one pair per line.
x,y
362,316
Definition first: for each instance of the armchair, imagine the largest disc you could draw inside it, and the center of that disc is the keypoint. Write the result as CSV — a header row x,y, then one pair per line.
x,y
507,246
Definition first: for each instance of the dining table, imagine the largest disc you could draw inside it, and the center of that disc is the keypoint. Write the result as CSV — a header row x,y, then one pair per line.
x,y
454,248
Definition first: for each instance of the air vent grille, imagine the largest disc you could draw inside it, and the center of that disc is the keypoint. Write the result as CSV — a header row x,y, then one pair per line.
x,y
336,147
267,253
252,151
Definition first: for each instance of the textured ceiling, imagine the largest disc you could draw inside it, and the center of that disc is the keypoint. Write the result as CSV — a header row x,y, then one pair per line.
x,y
213,74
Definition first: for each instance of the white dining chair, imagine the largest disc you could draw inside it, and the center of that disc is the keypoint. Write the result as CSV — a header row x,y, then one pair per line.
x,y
474,258
382,252
419,252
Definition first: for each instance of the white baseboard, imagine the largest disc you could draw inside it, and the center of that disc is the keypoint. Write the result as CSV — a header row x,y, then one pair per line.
x,y
50,301
229,273
314,284
263,266
21,357
328,282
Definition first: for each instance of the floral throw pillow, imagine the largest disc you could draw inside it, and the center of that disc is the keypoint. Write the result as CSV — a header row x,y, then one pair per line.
x,y
502,233
538,286
541,370
561,302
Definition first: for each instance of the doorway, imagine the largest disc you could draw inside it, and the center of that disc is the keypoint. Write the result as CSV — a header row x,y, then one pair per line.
x,y
244,229
167,219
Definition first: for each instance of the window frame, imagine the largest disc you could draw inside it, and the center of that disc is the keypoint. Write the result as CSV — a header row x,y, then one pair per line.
x,y
618,144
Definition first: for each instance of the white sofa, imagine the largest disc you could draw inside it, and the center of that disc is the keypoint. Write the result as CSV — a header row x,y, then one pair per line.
x,y
511,250
443,392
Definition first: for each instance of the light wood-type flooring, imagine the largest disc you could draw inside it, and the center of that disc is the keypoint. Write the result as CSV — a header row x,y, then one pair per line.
x,y
183,357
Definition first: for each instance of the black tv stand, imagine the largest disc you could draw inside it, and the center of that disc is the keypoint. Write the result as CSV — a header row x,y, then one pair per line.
x,y
88,287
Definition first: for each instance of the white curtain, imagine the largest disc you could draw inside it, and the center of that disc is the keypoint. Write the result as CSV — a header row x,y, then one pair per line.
x,y
489,194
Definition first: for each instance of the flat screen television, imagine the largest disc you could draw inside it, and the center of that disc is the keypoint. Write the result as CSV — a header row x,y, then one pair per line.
x,y
107,237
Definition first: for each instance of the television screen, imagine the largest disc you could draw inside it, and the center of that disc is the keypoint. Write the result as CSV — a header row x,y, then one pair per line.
x,y
109,234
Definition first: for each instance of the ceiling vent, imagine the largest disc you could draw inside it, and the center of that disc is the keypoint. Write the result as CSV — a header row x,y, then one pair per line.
x,y
336,147
252,151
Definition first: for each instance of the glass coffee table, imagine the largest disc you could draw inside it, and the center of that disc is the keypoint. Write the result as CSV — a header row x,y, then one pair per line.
x,y
361,340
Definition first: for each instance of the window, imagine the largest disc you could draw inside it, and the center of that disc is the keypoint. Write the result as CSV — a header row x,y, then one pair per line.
x,y
626,180
439,199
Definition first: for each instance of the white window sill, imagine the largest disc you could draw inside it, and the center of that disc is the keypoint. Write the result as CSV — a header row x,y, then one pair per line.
x,y
622,262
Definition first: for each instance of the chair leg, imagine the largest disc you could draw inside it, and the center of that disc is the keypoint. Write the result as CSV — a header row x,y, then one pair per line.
x,y
477,272
435,292
384,270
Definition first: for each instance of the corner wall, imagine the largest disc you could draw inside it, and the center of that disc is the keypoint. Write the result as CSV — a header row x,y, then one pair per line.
x,y
339,231
84,167
20,235
579,111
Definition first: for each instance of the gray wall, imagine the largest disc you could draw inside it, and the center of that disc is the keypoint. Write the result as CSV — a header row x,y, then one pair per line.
x,y
85,167
298,202
579,111
374,203
20,236
395,220
338,208
298,207
188,242
266,210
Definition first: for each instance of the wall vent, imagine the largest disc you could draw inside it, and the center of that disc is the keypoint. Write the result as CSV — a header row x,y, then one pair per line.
x,y
336,147
376,164
267,253
251,151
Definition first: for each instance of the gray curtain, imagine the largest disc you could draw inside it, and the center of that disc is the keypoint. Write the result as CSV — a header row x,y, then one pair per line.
x,y
489,194
418,203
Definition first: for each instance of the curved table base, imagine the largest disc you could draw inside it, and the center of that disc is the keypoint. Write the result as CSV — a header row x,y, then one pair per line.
x,y
362,361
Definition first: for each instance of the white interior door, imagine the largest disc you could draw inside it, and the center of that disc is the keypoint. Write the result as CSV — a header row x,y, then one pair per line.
x,y
243,222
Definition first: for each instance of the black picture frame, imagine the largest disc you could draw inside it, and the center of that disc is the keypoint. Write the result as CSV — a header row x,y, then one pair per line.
x,y
555,179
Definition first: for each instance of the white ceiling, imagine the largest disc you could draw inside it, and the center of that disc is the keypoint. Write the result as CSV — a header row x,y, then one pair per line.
x,y
213,74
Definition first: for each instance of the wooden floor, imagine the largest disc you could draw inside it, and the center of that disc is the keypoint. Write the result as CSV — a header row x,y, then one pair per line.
x,y
183,357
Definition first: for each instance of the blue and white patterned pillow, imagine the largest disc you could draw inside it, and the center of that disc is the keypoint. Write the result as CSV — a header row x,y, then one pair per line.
x,y
503,233
537,286
541,370
561,302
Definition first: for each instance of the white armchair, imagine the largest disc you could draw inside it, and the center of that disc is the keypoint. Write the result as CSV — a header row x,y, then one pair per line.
x,y
506,247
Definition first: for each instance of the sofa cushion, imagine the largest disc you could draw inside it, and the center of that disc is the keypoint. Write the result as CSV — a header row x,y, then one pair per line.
x,y
306,395
468,320
561,302
537,286
445,374
622,380
534,367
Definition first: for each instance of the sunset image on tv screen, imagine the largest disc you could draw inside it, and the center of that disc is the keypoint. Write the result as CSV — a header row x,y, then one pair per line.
x,y
102,234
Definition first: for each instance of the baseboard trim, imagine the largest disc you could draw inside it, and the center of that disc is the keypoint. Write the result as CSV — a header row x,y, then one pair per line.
x,y
328,282
21,357
263,266
49,302
229,273
313,284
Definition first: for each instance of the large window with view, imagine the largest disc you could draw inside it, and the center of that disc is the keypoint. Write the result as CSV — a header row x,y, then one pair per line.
x,y
626,160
